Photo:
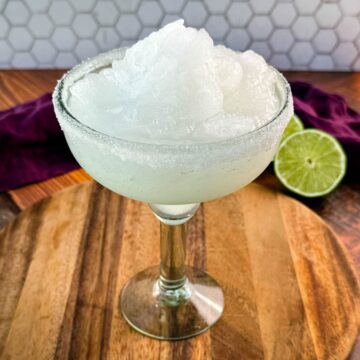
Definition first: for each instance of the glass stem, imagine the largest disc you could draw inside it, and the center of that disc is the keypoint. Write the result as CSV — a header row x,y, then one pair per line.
x,y
172,255
173,287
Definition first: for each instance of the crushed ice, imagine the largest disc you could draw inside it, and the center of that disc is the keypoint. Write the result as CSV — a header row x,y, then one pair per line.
x,y
175,86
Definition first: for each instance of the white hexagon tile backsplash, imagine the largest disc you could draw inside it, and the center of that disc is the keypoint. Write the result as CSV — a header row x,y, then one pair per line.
x,y
290,34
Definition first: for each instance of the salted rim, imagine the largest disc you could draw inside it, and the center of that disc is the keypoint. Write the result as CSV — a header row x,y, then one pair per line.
x,y
102,60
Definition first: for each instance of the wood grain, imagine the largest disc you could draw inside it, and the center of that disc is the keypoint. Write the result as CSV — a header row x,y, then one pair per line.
x,y
341,209
17,86
290,290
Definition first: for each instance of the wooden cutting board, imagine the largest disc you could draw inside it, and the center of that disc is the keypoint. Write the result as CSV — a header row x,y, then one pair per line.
x,y
290,291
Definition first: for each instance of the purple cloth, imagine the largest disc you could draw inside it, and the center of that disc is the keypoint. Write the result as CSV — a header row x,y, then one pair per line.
x,y
330,113
33,147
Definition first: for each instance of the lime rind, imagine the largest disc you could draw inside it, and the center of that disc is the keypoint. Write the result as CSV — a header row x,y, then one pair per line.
x,y
297,175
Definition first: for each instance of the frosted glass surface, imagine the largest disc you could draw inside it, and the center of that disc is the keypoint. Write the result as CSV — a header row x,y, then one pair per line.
x,y
170,173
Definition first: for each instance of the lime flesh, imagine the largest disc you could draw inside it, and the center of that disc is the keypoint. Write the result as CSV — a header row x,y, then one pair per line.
x,y
310,163
294,125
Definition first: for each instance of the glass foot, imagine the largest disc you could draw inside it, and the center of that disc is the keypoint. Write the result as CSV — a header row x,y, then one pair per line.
x,y
171,314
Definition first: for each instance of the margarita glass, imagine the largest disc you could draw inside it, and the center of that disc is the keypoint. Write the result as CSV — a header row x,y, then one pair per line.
x,y
171,301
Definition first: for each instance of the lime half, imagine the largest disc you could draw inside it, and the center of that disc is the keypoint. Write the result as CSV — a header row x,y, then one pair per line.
x,y
310,163
292,127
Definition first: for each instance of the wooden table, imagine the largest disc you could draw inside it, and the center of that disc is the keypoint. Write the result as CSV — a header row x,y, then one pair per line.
x,y
341,209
